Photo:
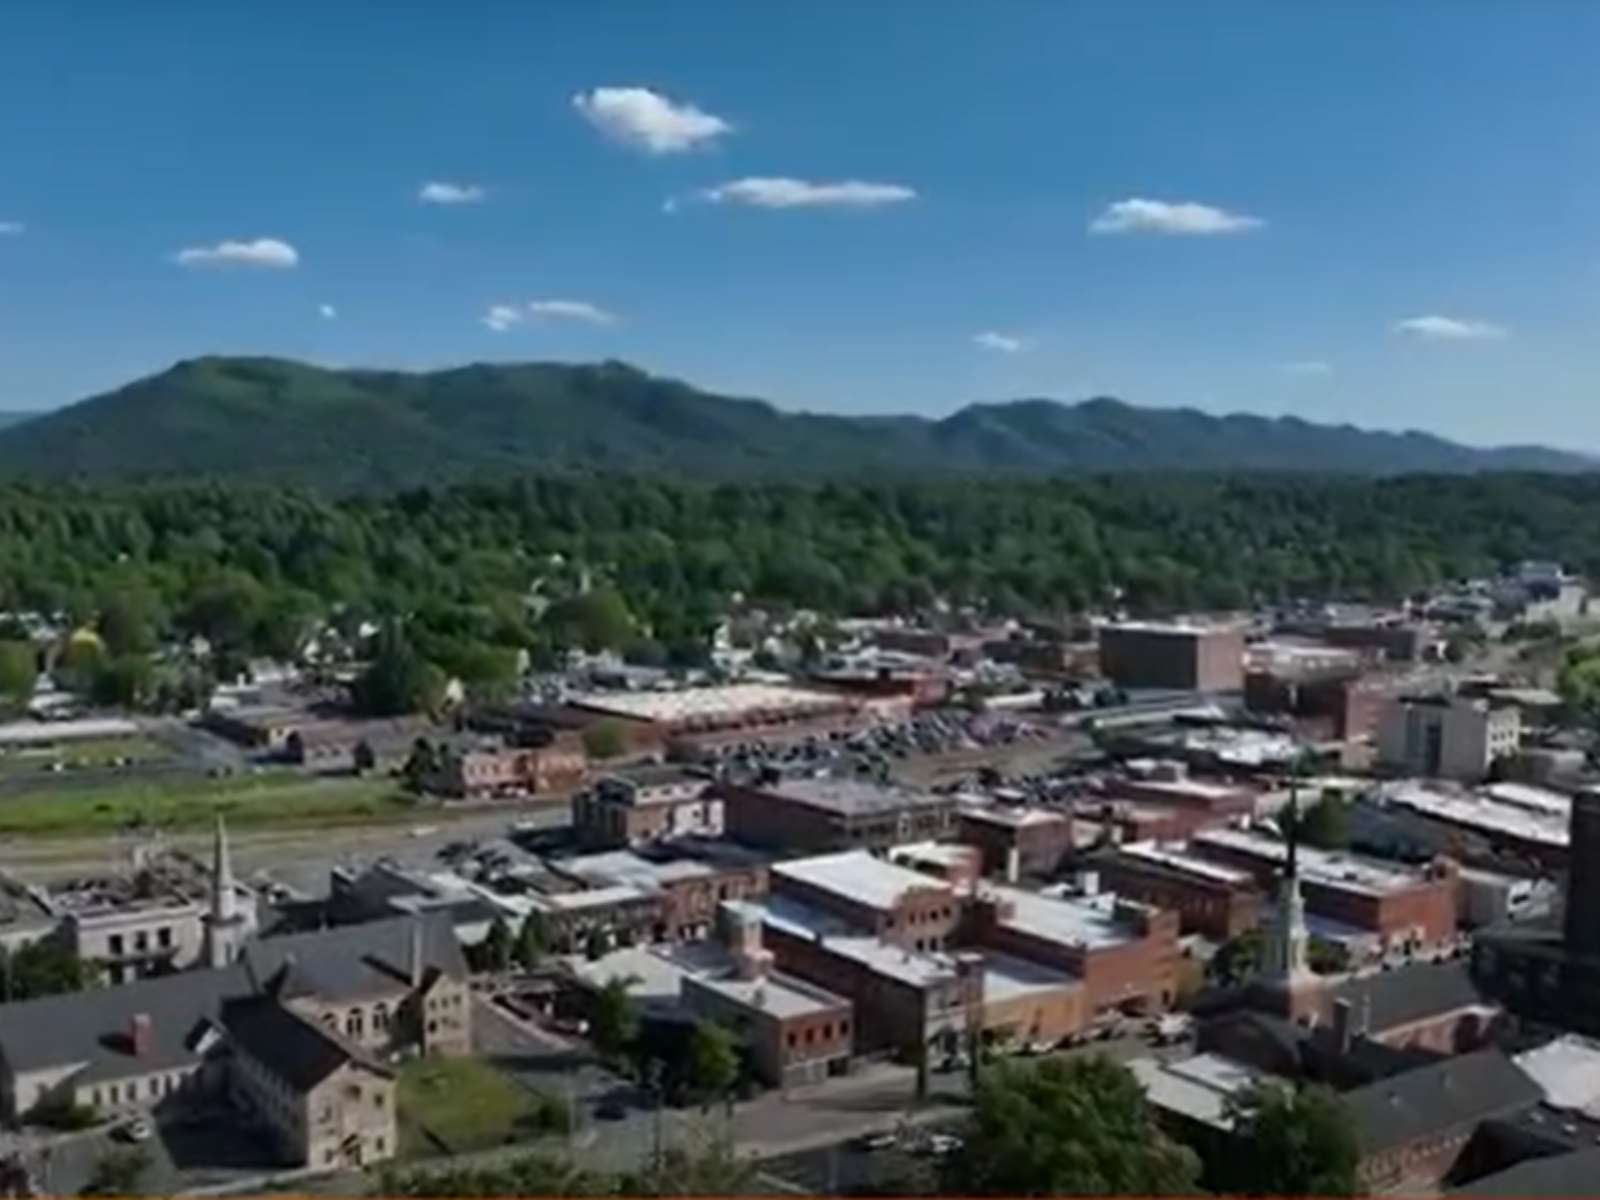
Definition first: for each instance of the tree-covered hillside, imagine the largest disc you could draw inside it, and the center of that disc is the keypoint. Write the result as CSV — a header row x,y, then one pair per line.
x,y
341,431
248,565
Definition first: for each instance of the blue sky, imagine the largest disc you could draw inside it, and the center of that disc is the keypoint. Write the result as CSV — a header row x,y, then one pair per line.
x,y
1393,209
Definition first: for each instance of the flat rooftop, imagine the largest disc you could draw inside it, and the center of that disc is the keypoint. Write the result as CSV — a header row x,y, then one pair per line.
x,y
1316,866
711,704
1166,628
781,995
1013,818
1080,921
1567,1071
1176,857
910,967
1006,977
1481,812
1197,789
860,877
31,733
626,867
1198,1087
853,797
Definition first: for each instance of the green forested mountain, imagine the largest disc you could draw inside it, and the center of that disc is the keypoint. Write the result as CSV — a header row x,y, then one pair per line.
x,y
275,420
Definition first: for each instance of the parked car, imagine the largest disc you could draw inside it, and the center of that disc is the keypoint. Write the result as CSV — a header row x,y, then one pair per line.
x,y
884,1140
136,1130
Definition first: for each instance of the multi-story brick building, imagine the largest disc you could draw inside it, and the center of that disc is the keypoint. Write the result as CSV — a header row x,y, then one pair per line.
x,y
1219,901
1017,841
1193,658
814,816
483,771
1125,953
645,804
1399,909
687,877
900,907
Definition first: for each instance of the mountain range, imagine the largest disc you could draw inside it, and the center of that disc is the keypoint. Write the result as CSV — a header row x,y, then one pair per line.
x,y
276,420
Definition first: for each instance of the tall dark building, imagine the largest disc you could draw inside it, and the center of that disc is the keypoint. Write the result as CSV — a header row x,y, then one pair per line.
x,y
1548,973
1582,926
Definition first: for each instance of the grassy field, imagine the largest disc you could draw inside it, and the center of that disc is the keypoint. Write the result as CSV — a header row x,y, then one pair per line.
x,y
452,1105
92,752
58,808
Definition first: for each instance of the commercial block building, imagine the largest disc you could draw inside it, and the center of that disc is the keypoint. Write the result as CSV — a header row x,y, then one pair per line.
x,y
1380,907
818,815
1210,898
1448,736
1124,953
484,771
645,804
1196,658
1013,841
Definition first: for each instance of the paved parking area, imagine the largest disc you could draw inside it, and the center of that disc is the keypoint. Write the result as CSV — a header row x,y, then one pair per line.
x,y
196,1153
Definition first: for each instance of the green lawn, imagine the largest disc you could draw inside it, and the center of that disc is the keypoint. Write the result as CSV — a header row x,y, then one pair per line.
x,y
451,1105
92,752
62,809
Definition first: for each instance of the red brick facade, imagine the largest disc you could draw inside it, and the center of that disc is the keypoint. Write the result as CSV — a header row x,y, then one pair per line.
x,y
1209,906
1043,844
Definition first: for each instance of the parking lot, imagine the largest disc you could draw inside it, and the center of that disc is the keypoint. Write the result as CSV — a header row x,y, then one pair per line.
x,y
182,1155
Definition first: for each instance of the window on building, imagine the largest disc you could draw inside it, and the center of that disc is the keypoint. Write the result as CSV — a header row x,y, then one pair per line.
x,y
114,942
377,1099
380,1016
94,1097
354,1026
811,1036
794,1039
353,1091
141,941
377,1144
164,937
155,1087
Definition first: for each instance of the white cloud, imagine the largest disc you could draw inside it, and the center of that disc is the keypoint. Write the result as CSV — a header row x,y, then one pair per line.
x,y
798,193
1306,366
1004,343
647,120
263,252
502,317
328,312
1450,329
11,228
439,192
1159,216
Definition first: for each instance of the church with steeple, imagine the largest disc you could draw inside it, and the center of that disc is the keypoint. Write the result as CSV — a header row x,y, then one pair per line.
x,y
1285,983
226,924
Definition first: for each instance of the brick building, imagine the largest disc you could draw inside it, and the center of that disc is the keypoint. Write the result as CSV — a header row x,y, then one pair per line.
x,y
645,804
1125,953
818,815
1193,658
1399,909
480,772
1210,898
900,907
1015,841
687,878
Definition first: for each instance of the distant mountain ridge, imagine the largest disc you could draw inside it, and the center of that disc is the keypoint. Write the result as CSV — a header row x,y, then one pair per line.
x,y
277,420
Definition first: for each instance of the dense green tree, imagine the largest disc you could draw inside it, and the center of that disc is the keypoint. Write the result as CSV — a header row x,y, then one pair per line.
x,y
1237,959
1326,824
19,671
44,968
613,1018
496,950
605,739
713,1061
1078,1127
594,620
128,681
130,616
398,680
1302,1142
532,943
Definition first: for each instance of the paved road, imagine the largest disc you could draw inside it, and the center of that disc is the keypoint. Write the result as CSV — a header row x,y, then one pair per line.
x,y
299,858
